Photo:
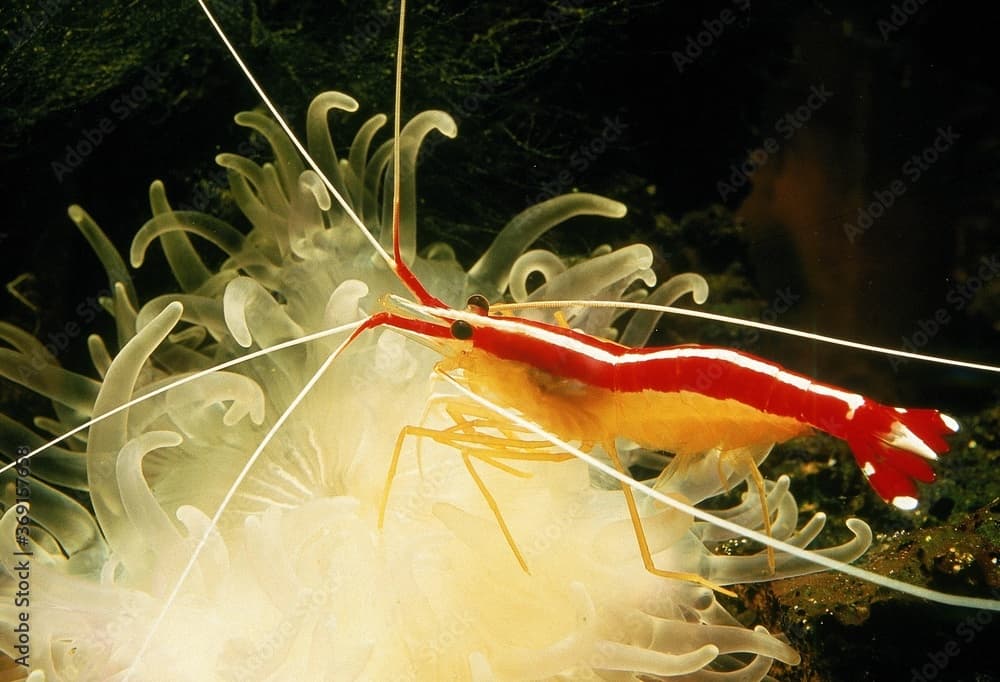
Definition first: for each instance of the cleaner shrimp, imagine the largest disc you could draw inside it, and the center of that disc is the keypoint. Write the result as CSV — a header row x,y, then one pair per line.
x,y
511,421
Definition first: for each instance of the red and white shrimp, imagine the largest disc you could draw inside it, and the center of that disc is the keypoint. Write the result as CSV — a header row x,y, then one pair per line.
x,y
565,386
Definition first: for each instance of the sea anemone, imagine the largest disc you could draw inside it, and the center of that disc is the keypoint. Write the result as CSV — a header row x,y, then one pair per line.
x,y
296,580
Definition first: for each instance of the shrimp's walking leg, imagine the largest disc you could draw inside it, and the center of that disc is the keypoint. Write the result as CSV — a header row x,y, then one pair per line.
x,y
640,534
744,458
465,436
495,508
758,482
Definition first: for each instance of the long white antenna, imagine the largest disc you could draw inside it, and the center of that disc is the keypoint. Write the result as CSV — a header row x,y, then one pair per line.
x,y
298,145
224,504
184,380
397,116
716,317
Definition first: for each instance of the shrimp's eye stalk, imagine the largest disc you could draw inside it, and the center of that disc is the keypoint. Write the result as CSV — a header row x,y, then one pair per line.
x,y
461,330
478,304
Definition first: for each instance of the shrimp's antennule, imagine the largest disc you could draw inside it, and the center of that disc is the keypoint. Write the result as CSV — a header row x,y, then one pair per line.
x,y
400,267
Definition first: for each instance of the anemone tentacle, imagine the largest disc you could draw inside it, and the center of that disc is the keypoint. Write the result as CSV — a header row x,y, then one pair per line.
x,y
305,585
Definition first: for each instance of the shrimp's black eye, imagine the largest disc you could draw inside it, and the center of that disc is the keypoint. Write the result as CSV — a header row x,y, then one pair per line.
x,y
461,330
478,304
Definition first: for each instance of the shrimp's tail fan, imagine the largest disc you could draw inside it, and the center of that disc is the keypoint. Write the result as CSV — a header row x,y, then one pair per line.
x,y
895,447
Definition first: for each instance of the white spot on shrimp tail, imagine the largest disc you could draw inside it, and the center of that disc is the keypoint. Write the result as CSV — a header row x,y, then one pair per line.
x,y
905,502
901,437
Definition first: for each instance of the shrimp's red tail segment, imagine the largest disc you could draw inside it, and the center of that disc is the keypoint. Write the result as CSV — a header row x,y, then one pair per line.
x,y
895,447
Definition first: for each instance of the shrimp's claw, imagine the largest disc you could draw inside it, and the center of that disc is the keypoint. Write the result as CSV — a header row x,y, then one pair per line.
x,y
895,446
